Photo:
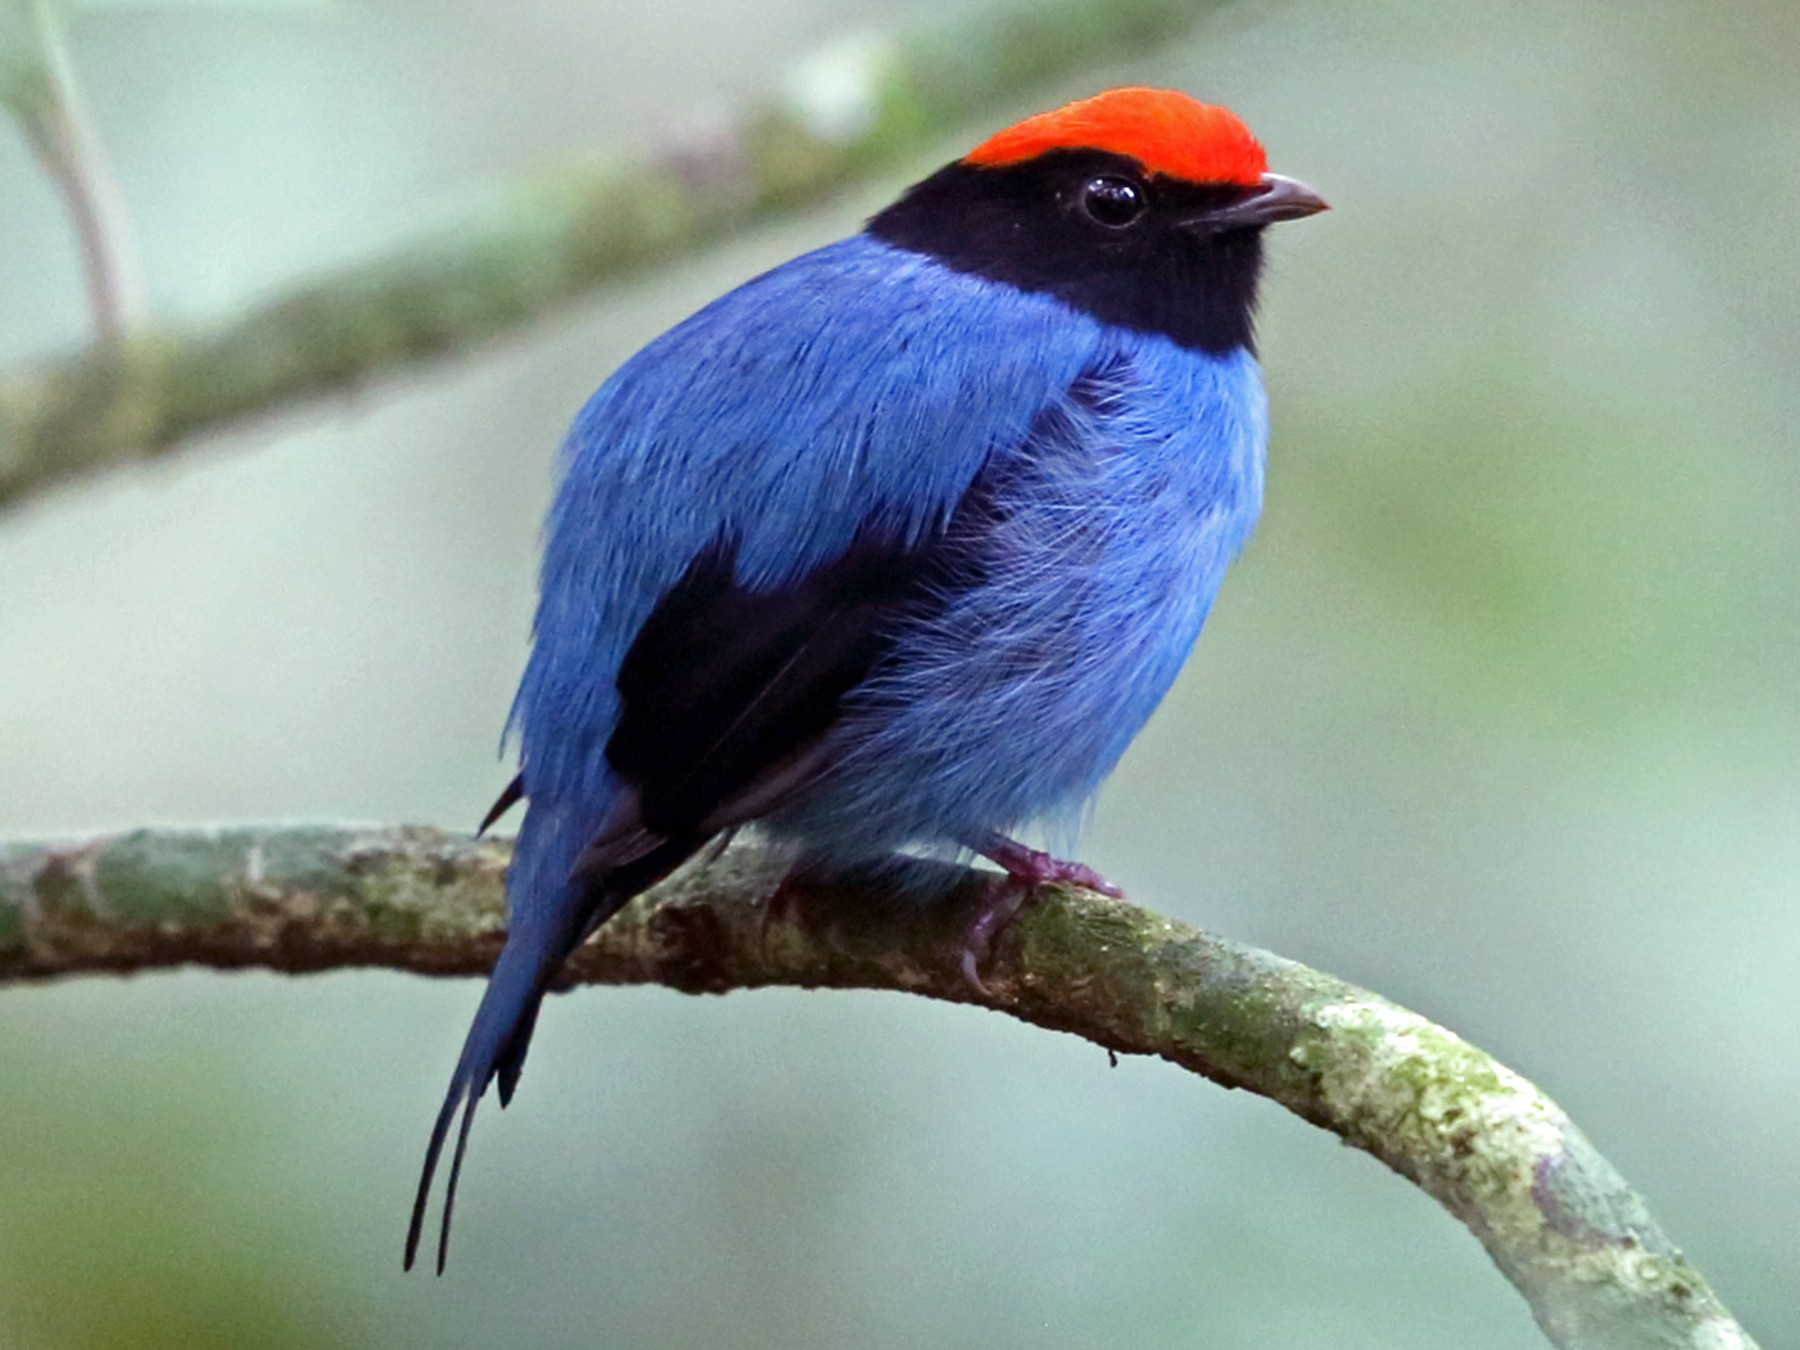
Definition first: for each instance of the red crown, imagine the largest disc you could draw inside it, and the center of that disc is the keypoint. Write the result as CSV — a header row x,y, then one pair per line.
x,y
1162,129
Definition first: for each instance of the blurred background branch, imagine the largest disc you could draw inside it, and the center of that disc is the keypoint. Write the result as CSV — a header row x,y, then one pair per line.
x,y
1555,1216
850,110
39,88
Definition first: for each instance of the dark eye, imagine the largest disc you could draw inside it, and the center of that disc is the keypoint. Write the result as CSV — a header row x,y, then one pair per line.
x,y
1113,202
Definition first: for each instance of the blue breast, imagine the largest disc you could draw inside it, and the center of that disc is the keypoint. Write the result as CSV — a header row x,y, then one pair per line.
x,y
1111,527
863,386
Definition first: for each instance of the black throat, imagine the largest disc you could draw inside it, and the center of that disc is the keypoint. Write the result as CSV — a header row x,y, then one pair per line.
x,y
1025,225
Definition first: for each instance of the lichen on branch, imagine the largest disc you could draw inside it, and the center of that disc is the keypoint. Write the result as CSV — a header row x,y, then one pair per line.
x,y
1558,1220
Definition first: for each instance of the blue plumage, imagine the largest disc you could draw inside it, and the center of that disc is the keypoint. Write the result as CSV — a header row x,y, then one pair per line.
x,y
1134,473
882,550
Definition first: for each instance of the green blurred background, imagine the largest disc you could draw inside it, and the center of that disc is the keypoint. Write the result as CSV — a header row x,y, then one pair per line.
x,y
1499,715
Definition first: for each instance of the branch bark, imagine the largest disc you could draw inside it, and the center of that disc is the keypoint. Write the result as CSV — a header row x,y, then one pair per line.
x,y
849,112
1558,1220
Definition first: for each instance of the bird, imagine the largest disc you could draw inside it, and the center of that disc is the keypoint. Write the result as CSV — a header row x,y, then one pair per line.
x,y
895,546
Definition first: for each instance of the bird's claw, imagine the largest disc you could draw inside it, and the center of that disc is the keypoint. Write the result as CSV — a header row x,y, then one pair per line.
x,y
1035,867
782,906
1026,869
1000,905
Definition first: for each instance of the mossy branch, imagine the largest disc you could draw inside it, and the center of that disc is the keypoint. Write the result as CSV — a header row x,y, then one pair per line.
x,y
1558,1220
852,110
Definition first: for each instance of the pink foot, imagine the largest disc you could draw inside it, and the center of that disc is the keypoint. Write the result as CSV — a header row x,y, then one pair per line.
x,y
1005,898
1026,869
782,906
1035,867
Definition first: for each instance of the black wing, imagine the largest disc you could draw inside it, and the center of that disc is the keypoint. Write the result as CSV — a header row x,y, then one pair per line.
x,y
727,692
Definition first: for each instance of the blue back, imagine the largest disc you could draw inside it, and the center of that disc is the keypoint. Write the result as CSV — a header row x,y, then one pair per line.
x,y
861,383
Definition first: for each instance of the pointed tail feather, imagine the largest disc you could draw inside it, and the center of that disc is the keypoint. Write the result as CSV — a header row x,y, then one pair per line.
x,y
501,1032
510,796
511,1061
495,1046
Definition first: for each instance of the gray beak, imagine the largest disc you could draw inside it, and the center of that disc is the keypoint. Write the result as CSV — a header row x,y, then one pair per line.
x,y
1275,198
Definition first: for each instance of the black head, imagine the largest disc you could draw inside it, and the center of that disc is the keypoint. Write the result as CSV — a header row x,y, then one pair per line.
x,y
1092,228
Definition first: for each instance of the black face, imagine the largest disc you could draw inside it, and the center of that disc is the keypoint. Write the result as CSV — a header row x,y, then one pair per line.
x,y
1093,230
